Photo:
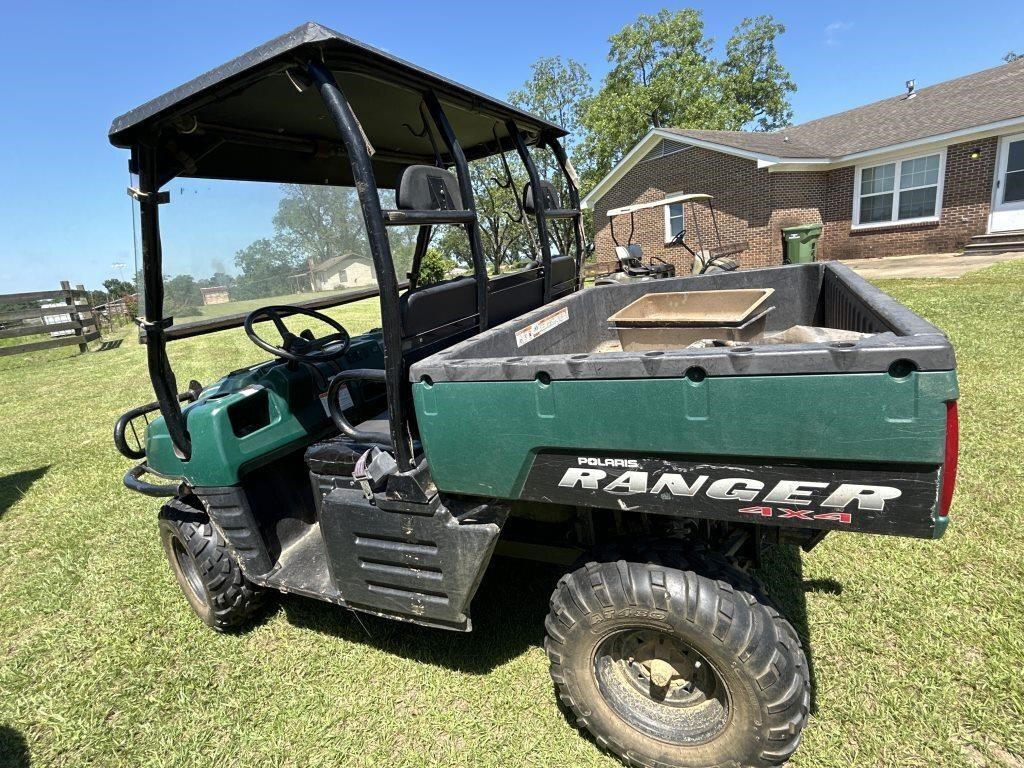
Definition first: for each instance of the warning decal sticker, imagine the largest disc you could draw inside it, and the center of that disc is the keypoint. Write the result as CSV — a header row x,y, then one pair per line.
x,y
542,326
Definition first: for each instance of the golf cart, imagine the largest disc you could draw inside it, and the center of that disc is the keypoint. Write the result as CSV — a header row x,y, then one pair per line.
x,y
629,258
381,472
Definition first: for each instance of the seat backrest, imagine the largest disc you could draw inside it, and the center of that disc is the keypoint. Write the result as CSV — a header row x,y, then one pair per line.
x,y
563,275
427,188
551,201
514,294
429,311
631,255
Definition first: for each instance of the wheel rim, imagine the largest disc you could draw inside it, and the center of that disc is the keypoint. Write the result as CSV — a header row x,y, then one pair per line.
x,y
188,569
662,686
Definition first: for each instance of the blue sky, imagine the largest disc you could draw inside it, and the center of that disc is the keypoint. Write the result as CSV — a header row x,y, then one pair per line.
x,y
67,69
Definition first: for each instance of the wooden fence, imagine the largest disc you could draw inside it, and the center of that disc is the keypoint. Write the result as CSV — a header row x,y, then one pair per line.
x,y
64,315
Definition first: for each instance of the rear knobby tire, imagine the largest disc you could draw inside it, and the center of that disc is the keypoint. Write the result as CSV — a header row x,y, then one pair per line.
x,y
206,570
739,693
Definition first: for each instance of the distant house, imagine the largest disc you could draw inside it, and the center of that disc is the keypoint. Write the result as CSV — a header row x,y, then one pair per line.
x,y
349,270
938,169
216,294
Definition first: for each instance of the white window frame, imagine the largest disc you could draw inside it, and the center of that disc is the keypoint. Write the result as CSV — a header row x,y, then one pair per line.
x,y
894,221
668,219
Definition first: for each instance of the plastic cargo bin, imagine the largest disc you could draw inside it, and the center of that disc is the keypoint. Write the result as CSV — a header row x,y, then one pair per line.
x,y
686,308
677,319
652,337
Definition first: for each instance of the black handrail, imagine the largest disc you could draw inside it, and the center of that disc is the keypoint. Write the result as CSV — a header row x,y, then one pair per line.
x,y
134,482
569,174
395,218
561,213
121,441
160,373
338,415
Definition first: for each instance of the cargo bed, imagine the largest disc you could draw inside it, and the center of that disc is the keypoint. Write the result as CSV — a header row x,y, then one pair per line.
x,y
542,408
573,339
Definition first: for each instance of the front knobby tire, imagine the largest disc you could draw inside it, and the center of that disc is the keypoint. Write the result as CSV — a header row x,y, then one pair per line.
x,y
206,571
678,666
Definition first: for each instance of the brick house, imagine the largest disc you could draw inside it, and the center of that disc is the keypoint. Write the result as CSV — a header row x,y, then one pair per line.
x,y
940,169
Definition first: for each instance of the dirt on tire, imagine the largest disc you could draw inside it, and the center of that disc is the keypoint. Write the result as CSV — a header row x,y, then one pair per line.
x,y
216,589
713,607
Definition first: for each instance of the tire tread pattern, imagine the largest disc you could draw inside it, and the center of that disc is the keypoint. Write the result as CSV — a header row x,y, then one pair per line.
x,y
708,590
233,598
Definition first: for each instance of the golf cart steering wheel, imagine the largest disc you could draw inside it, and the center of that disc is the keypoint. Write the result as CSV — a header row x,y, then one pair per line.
x,y
303,348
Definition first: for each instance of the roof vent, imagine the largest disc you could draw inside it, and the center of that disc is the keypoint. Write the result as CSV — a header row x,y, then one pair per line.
x,y
910,90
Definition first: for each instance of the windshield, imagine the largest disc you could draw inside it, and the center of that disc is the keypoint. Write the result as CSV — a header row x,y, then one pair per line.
x,y
229,247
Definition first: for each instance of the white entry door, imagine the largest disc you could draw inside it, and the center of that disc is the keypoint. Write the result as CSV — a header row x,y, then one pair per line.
x,y
1008,196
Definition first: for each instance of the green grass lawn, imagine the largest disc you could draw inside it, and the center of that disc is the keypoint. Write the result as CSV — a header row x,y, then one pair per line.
x,y
247,305
916,645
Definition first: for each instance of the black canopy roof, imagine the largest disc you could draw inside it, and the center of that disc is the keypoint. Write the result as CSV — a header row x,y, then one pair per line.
x,y
253,118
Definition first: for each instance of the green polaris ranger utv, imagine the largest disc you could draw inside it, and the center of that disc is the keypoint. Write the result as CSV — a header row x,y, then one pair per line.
x,y
504,414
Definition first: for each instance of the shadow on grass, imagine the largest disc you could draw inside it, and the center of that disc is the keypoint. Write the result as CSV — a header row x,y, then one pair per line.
x,y
782,572
509,610
13,748
16,485
508,619
106,346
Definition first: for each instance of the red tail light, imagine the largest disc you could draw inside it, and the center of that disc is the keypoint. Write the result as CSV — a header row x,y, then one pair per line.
x,y
949,464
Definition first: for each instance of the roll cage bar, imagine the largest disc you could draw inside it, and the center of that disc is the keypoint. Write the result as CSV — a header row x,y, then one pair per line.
x,y
151,151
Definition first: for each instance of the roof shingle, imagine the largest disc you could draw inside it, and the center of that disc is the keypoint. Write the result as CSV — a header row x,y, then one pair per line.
x,y
990,96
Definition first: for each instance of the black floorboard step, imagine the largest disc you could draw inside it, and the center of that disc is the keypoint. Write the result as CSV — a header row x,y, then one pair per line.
x,y
420,567
302,567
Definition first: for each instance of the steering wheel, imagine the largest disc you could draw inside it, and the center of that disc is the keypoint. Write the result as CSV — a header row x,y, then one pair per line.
x,y
303,348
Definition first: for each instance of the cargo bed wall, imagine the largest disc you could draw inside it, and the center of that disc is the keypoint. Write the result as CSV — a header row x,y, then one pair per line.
x,y
509,439
558,341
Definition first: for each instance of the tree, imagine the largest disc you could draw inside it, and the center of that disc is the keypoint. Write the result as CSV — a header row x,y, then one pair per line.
x,y
556,91
434,267
664,73
753,76
117,288
267,268
217,279
1012,56
503,235
319,223
182,295
312,224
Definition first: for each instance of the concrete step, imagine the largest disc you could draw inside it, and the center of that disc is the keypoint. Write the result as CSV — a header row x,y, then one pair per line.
x,y
994,247
1010,234
997,242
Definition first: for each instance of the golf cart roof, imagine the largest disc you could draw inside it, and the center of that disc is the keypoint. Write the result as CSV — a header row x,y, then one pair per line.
x,y
658,203
258,118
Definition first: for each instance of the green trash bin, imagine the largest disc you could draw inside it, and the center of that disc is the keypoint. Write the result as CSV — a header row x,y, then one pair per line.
x,y
800,244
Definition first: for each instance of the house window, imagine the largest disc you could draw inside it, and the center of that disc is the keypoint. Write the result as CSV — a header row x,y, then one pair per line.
x,y
901,191
675,221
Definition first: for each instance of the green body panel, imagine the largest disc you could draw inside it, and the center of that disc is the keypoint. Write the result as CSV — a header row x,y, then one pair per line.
x,y
219,455
480,437
294,417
